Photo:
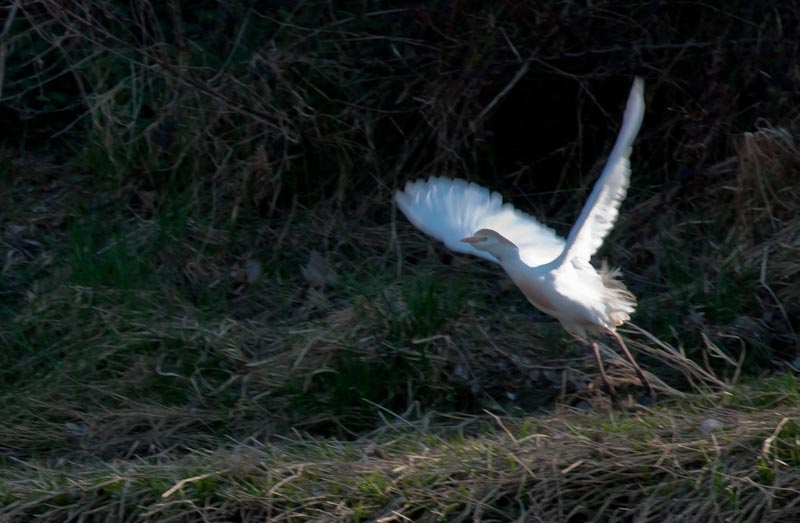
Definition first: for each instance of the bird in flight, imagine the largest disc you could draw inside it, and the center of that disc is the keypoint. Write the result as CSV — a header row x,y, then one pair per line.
x,y
554,274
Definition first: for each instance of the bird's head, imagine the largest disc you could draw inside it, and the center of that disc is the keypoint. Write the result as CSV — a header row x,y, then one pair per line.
x,y
492,242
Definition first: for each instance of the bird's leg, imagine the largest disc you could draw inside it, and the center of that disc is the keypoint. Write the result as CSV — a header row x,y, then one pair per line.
x,y
638,370
609,388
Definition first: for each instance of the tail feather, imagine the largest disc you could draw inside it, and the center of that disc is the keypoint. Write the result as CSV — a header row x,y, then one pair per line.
x,y
621,301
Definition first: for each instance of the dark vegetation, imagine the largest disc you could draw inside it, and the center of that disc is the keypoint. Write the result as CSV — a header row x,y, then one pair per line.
x,y
203,277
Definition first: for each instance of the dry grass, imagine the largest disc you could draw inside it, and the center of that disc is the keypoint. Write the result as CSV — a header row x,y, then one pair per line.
x,y
168,407
652,465
210,310
768,228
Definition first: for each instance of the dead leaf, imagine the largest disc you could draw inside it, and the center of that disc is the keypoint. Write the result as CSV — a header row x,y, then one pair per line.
x,y
148,200
252,268
319,272
248,272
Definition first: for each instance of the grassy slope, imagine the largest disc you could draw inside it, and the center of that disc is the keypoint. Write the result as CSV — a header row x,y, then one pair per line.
x,y
122,377
163,318
570,465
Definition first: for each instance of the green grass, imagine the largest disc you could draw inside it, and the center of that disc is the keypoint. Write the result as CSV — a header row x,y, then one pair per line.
x,y
431,301
135,340
164,356
105,258
446,473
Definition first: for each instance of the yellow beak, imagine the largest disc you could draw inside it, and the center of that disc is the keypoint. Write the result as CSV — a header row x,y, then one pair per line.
x,y
473,239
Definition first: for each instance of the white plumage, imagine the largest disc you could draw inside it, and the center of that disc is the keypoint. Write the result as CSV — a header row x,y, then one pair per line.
x,y
450,210
554,274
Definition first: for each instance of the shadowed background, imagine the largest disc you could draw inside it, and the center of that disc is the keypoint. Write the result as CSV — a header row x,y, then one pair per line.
x,y
199,245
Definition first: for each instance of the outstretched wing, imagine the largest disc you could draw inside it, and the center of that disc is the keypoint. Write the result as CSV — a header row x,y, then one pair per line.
x,y
450,210
601,209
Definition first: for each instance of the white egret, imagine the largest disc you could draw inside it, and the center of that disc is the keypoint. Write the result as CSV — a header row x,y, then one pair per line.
x,y
554,274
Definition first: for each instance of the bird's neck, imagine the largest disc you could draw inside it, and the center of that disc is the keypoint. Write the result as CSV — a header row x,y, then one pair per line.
x,y
518,269
530,282
505,253
511,262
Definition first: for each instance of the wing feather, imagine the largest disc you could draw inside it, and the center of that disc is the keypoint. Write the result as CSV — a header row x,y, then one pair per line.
x,y
451,209
601,209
